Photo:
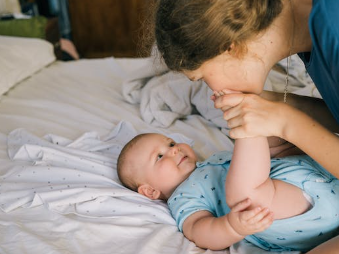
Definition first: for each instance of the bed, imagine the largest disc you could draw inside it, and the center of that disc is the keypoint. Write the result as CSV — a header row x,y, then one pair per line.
x,y
62,126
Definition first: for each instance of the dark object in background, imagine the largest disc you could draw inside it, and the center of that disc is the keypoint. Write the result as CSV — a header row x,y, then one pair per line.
x,y
35,27
6,16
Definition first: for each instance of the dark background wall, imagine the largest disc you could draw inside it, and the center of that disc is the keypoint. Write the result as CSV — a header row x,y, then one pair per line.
x,y
108,27
97,28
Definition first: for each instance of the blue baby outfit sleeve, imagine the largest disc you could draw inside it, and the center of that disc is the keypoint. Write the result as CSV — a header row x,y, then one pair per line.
x,y
322,63
203,190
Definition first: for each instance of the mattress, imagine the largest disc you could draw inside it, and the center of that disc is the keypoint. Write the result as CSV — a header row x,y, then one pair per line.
x,y
62,128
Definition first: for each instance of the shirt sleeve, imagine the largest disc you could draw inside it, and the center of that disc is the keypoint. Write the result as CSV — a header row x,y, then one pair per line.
x,y
182,205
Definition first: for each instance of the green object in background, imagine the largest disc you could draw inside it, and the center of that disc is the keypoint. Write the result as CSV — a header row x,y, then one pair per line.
x,y
33,27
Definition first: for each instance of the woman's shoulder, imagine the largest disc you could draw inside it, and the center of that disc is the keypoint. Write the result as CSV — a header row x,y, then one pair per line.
x,y
324,13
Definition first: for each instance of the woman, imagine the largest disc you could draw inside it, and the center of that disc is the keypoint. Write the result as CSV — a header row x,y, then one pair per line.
x,y
233,44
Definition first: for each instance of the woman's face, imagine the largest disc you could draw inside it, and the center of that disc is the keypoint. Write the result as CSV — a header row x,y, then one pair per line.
x,y
247,74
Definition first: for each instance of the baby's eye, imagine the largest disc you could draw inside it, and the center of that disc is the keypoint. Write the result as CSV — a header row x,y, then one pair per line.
x,y
172,144
159,156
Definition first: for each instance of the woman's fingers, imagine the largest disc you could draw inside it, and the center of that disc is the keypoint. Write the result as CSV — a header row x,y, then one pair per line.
x,y
249,115
233,119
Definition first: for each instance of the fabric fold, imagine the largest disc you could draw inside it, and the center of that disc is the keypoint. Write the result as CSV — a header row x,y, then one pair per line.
x,y
75,176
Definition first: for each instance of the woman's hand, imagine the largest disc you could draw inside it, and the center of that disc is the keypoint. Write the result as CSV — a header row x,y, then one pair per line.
x,y
278,146
249,115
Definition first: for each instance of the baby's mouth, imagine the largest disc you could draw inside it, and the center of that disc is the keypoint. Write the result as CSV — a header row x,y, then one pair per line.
x,y
182,159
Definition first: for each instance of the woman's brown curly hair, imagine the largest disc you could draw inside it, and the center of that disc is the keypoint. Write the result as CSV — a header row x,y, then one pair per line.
x,y
190,32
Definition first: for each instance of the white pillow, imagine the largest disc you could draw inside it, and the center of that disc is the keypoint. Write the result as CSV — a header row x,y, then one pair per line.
x,y
21,57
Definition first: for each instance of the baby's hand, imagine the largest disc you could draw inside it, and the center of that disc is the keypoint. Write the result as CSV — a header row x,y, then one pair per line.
x,y
217,94
248,222
226,103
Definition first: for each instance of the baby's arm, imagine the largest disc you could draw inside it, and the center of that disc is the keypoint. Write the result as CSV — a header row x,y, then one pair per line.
x,y
248,175
219,233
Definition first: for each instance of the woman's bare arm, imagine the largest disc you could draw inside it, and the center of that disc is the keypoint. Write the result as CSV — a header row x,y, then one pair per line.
x,y
250,115
313,107
314,139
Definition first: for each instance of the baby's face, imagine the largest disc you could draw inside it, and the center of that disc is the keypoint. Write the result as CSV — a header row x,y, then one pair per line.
x,y
163,164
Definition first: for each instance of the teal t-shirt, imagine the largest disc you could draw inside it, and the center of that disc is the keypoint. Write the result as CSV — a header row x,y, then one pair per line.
x,y
322,63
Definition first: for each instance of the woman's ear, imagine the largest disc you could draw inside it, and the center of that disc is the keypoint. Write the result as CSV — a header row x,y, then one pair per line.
x,y
235,50
149,191
230,48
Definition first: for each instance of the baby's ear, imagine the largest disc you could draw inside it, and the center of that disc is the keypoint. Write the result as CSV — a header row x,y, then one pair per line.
x,y
149,191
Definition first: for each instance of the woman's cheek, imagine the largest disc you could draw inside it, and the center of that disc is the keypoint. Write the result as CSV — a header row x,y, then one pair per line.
x,y
215,85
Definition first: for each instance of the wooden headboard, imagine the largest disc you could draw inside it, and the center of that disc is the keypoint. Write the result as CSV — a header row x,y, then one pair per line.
x,y
104,28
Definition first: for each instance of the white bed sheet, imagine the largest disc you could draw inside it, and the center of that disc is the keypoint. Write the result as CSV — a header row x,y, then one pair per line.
x,y
59,123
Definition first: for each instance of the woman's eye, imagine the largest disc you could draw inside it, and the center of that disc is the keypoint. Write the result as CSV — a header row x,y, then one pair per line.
x,y
159,157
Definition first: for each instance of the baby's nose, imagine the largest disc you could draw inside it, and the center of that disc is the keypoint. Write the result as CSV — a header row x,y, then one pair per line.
x,y
175,149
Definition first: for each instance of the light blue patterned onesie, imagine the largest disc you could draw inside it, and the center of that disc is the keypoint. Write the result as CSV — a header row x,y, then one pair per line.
x,y
204,190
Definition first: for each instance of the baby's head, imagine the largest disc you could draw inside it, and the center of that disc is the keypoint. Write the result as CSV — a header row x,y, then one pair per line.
x,y
154,165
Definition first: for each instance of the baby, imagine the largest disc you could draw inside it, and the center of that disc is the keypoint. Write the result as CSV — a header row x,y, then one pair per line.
x,y
204,197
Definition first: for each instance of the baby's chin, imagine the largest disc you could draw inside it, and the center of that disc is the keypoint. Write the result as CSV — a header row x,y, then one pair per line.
x,y
190,171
